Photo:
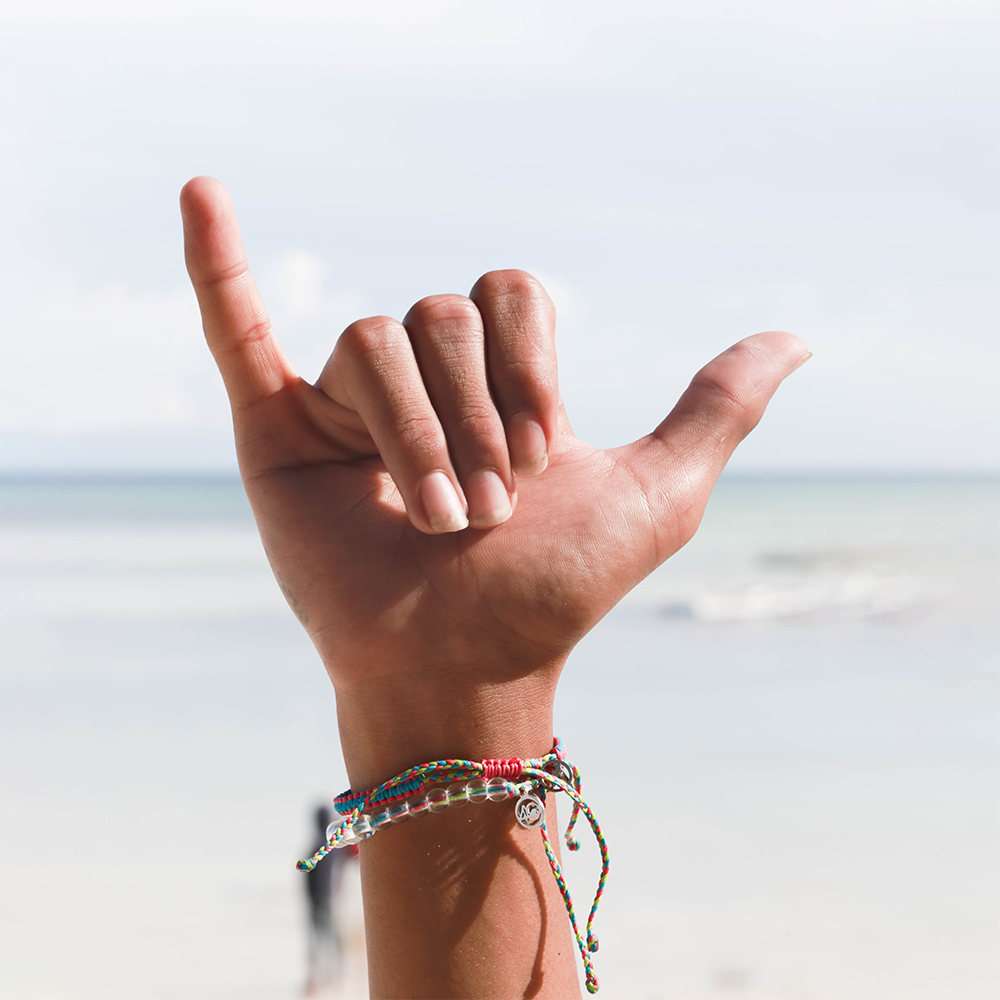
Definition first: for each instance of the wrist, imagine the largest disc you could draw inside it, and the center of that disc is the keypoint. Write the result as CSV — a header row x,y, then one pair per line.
x,y
389,726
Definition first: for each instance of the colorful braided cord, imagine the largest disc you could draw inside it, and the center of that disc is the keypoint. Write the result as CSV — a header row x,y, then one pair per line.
x,y
521,776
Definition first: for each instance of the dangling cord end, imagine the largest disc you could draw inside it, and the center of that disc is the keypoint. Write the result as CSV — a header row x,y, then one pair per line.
x,y
589,976
571,842
308,864
591,979
592,943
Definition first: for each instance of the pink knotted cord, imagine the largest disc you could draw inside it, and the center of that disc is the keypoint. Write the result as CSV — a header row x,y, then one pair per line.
x,y
510,769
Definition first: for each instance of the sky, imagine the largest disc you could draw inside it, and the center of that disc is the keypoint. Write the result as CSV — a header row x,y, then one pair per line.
x,y
678,175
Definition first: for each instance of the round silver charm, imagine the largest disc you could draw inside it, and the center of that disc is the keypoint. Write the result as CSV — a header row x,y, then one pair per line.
x,y
560,769
529,811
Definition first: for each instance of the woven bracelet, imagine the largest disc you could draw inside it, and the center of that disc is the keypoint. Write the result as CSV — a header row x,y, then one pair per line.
x,y
440,784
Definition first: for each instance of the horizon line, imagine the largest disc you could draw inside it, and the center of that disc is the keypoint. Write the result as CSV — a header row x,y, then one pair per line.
x,y
112,476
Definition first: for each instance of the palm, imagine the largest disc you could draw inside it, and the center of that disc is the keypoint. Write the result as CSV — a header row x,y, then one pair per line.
x,y
351,563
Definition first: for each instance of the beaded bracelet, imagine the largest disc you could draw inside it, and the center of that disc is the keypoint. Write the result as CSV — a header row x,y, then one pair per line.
x,y
441,784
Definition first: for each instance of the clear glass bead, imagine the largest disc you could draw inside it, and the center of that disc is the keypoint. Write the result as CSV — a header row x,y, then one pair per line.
x,y
438,799
332,829
419,806
497,789
349,839
477,790
381,819
399,811
363,827
458,795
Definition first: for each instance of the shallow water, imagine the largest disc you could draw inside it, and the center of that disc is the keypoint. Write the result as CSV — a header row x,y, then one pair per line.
x,y
789,733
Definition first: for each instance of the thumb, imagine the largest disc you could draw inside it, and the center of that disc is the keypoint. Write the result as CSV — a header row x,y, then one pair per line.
x,y
236,324
677,465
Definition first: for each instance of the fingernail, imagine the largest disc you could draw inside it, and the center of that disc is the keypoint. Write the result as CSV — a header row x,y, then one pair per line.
x,y
442,505
805,357
489,502
529,451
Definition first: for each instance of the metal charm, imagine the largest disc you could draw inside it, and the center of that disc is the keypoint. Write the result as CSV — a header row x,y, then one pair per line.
x,y
560,769
529,811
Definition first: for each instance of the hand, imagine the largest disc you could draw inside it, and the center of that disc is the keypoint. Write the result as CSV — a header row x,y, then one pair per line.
x,y
444,639
350,480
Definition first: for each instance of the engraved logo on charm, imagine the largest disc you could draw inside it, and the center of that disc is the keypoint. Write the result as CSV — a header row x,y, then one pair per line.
x,y
560,769
529,810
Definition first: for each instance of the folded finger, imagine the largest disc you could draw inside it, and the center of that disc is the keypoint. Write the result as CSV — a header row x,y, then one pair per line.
x,y
519,322
374,372
447,335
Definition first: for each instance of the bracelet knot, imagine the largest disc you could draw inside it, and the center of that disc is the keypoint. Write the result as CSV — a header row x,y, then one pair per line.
x,y
511,769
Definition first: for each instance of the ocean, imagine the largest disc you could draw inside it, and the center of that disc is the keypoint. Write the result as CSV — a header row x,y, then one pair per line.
x,y
789,733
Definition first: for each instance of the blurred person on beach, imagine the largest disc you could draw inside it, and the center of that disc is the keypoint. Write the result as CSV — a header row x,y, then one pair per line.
x,y
446,540
323,887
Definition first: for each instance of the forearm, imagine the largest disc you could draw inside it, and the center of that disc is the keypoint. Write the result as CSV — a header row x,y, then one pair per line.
x,y
461,903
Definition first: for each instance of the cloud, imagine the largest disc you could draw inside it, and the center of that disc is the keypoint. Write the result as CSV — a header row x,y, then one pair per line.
x,y
299,280
685,172
307,315
112,357
105,357
903,375
687,48
442,13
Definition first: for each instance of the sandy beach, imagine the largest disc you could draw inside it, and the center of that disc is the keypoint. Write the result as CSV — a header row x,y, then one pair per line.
x,y
809,689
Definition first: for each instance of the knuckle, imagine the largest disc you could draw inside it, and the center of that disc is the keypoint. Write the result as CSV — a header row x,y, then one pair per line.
x,y
473,420
256,332
371,337
447,311
234,274
418,436
515,291
532,367
510,282
416,430
475,435
724,400
522,323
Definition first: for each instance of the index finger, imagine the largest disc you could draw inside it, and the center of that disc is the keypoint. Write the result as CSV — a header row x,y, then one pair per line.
x,y
236,324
